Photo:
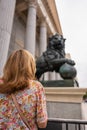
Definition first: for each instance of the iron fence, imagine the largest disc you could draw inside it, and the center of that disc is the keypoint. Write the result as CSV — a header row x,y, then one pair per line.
x,y
65,124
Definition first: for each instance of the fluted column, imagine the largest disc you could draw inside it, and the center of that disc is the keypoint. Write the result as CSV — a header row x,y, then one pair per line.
x,y
43,40
7,8
30,38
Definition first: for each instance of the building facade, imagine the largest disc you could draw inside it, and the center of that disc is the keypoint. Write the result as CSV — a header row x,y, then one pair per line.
x,y
27,24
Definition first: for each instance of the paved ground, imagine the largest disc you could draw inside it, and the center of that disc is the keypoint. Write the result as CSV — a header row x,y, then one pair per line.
x,y
84,112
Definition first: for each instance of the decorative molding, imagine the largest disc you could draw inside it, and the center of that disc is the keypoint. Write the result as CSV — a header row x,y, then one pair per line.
x,y
70,94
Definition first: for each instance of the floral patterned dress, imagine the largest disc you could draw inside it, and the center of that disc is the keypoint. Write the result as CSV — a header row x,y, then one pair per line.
x,y
32,102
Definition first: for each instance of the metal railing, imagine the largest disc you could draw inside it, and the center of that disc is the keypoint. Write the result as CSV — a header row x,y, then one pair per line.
x,y
66,124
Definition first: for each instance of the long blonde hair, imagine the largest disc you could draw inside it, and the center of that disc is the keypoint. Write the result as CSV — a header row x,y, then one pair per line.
x,y
19,69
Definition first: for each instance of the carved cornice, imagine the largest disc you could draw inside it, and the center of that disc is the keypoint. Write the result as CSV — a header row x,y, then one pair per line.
x,y
65,94
45,14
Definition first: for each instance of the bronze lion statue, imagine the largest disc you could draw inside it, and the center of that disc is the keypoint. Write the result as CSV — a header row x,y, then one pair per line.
x,y
54,57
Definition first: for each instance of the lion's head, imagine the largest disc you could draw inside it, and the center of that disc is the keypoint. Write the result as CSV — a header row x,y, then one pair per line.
x,y
56,42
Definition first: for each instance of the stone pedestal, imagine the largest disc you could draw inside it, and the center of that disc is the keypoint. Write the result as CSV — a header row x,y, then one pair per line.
x,y
65,103
58,83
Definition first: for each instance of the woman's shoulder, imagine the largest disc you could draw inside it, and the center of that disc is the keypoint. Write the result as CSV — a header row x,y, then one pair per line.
x,y
36,84
34,87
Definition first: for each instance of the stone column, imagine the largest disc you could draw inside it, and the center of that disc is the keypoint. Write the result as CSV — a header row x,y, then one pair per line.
x,y
43,36
7,8
43,40
52,75
30,38
58,77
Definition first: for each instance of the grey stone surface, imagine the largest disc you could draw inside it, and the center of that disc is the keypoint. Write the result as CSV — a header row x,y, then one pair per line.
x,y
20,30
64,110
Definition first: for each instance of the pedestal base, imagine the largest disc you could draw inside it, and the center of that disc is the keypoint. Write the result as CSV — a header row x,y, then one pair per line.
x,y
58,83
